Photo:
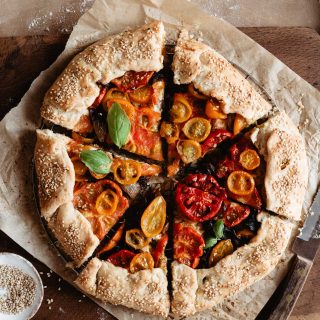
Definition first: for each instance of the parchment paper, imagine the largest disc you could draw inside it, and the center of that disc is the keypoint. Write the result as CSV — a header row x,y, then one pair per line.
x,y
18,217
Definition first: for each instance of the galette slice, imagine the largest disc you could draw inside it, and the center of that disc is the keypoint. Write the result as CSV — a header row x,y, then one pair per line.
x,y
80,191
212,102
121,66
132,266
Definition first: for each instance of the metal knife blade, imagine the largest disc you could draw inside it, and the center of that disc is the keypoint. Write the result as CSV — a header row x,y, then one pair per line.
x,y
308,241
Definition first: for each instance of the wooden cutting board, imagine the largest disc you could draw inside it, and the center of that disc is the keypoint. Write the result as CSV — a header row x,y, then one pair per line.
x,y
23,58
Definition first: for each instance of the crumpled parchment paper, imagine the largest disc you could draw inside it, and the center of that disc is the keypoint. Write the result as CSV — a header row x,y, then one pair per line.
x,y
18,216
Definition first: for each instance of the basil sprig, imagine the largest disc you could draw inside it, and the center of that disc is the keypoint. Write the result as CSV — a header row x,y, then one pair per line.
x,y
96,160
118,125
218,229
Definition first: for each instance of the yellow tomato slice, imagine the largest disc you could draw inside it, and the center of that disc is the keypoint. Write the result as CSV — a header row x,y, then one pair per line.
x,y
126,171
113,93
136,239
241,183
169,131
141,95
181,110
239,124
219,251
249,159
154,217
78,137
141,261
148,118
189,150
195,93
213,110
197,129
107,202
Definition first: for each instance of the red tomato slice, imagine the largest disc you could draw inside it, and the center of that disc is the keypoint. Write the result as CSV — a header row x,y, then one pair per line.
x,y
147,143
99,98
159,250
234,214
121,258
132,80
187,246
225,167
239,147
195,204
252,200
215,138
207,183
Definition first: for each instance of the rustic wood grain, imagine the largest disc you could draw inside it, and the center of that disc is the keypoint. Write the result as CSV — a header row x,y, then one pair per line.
x,y
23,58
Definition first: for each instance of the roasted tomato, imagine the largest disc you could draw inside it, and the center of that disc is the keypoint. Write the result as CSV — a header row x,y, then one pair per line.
x,y
205,182
225,167
240,183
148,118
141,95
238,148
234,214
80,168
244,234
215,138
107,202
159,250
132,80
121,258
136,239
189,150
252,200
154,217
173,168
113,241
195,93
113,93
146,143
126,171
99,98
197,129
188,245
169,131
219,251
97,175
181,110
239,124
213,110
148,170
126,106
141,261
84,125
249,159
79,138
196,204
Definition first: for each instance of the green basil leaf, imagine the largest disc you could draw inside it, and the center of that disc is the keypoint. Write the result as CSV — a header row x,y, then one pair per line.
x,y
96,160
118,125
218,229
210,242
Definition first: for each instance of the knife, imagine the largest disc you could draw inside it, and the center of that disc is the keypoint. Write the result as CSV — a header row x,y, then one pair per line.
x,y
305,246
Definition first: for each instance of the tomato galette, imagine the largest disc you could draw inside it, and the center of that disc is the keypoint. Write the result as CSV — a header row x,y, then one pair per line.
x,y
179,172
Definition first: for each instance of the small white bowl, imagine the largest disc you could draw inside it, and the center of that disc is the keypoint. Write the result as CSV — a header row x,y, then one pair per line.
x,y
17,261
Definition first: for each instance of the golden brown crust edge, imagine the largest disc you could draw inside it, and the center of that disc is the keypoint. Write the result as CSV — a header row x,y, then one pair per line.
x,y
215,77
233,274
145,291
282,146
77,87
55,172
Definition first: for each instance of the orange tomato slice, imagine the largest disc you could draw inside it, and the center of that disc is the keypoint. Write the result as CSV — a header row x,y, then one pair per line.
x,y
240,183
80,168
219,251
189,150
169,131
154,217
239,124
127,107
148,118
249,159
141,261
113,241
197,129
97,176
213,110
126,171
107,202
245,234
181,110
136,239
141,95
195,93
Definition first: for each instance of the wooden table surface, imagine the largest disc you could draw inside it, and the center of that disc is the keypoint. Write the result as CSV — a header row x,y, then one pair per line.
x,y
22,59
